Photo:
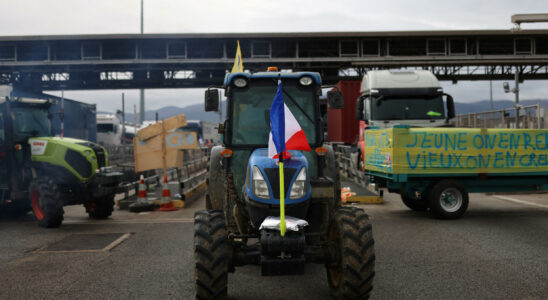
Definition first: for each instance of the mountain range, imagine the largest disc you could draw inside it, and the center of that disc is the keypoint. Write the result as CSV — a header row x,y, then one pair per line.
x,y
196,111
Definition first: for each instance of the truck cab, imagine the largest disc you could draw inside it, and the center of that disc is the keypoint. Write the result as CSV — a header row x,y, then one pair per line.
x,y
403,97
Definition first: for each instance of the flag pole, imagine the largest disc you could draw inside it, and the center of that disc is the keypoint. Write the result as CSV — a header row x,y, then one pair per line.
x,y
282,196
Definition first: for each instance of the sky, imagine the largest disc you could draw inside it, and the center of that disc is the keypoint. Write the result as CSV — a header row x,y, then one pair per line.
x,y
47,17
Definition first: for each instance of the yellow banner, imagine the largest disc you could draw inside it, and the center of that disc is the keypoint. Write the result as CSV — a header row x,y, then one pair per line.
x,y
455,150
238,63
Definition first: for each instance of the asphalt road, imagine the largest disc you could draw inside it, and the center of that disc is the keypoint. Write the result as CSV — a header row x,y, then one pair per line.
x,y
499,249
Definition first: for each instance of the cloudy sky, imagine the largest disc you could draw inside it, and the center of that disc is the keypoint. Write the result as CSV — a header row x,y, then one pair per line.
x,y
44,17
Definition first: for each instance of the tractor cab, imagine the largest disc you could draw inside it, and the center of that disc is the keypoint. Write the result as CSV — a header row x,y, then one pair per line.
x,y
246,134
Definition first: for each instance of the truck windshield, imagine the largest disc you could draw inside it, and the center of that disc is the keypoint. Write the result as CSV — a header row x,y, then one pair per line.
x,y
106,128
408,109
30,122
251,110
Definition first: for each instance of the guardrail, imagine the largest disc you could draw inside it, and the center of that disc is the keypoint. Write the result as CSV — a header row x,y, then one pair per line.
x,y
347,157
191,177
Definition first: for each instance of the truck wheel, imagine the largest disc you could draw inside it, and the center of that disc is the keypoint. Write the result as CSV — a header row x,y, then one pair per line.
x,y
46,202
351,264
448,199
100,208
211,255
415,204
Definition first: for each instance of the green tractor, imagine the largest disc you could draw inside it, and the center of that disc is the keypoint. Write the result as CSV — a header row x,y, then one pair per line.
x,y
44,173
243,195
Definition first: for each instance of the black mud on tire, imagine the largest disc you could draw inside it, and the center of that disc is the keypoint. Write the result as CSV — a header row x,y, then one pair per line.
x,y
351,267
415,204
211,255
100,208
46,202
447,190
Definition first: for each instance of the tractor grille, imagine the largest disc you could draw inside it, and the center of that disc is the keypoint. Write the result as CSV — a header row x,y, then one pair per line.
x,y
273,175
99,153
78,162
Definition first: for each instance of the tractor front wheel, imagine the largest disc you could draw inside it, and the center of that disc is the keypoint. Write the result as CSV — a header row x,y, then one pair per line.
x,y
211,255
100,208
46,202
351,264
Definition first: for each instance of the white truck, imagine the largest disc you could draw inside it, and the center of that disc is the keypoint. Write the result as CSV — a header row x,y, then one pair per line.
x,y
403,97
109,129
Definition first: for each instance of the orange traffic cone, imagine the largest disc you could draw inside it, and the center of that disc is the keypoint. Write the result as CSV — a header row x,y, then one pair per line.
x,y
167,205
142,203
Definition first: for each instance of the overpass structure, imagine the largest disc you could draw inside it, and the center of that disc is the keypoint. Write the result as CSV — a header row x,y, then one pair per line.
x,y
73,62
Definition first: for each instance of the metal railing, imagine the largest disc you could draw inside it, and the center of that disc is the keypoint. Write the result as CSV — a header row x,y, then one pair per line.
x,y
530,117
191,176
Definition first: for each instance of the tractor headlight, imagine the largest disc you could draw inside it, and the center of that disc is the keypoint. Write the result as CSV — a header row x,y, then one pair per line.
x,y
260,187
240,82
298,190
306,80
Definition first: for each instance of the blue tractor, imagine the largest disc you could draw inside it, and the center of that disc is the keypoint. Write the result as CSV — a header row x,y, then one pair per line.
x,y
244,190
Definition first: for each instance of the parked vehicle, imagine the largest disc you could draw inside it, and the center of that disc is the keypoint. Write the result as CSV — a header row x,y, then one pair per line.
x,y
243,190
44,173
411,149
109,129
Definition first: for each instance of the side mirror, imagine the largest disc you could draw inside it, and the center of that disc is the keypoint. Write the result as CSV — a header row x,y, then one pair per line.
x,y
335,99
359,109
212,100
450,107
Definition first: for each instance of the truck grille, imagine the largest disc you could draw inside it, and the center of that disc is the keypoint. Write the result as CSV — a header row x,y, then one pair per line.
x,y
273,175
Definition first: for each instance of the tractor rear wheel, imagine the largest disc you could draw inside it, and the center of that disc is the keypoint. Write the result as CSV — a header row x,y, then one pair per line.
x,y
100,208
351,265
211,255
46,202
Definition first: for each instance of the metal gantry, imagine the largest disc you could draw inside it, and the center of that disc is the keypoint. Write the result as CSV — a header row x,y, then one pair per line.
x,y
200,60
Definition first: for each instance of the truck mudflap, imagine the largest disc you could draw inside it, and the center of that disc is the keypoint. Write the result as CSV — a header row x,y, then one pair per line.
x,y
106,183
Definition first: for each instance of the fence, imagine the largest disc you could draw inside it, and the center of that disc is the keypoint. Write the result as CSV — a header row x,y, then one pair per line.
x,y
531,117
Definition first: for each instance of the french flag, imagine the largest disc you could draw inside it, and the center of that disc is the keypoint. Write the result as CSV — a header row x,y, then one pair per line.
x,y
285,131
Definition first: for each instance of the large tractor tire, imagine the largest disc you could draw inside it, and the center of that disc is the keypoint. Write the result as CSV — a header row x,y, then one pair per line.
x,y
215,180
211,255
448,199
46,202
100,208
351,265
415,204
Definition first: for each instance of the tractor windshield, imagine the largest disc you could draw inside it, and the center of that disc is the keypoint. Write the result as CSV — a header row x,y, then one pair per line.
x,y
408,108
30,122
251,110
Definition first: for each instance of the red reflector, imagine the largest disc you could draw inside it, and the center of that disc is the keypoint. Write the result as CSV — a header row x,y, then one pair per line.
x,y
226,153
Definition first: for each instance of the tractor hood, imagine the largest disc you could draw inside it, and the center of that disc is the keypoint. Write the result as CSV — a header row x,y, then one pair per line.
x,y
80,157
270,174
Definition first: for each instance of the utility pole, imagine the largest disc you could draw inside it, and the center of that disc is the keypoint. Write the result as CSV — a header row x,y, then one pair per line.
x,y
142,91
516,92
123,128
491,94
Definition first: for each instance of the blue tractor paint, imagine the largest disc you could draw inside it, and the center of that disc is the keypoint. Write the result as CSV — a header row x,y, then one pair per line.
x,y
231,76
260,159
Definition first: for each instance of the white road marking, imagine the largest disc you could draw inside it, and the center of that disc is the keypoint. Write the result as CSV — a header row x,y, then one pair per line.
x,y
521,201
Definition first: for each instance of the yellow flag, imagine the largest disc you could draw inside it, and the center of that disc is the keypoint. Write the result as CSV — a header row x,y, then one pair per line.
x,y
238,64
